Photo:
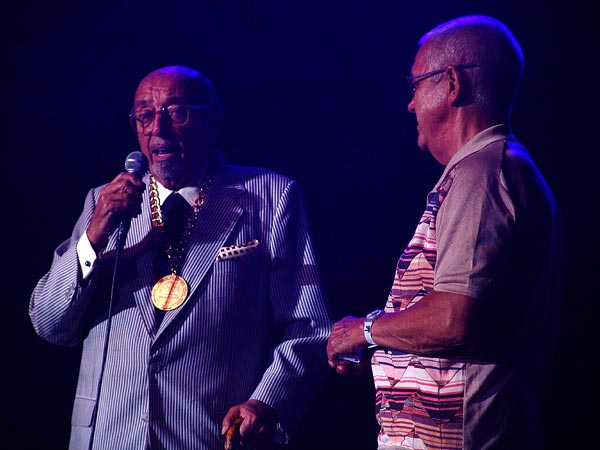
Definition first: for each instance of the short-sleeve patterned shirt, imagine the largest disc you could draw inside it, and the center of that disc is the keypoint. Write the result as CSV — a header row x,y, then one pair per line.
x,y
430,390
431,403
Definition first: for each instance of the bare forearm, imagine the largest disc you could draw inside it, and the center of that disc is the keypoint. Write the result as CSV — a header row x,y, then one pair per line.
x,y
439,323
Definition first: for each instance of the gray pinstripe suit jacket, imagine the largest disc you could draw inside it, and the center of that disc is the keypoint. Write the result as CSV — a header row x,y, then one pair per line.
x,y
251,328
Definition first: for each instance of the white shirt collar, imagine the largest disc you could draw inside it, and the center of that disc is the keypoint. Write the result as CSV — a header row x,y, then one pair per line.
x,y
189,193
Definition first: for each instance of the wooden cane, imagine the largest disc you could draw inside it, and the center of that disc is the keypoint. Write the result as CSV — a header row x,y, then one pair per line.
x,y
231,433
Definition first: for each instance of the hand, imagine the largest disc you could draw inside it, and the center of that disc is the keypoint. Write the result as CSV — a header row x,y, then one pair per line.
x,y
120,198
258,426
347,337
362,368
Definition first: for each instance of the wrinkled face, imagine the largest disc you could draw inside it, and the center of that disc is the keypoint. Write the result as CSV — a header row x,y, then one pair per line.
x,y
176,139
429,104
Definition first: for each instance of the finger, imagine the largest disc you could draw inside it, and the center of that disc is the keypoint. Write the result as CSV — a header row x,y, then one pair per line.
x,y
343,369
126,181
232,415
247,427
133,183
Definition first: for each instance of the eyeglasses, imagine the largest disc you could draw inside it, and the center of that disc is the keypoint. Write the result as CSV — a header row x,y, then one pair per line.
x,y
179,115
414,80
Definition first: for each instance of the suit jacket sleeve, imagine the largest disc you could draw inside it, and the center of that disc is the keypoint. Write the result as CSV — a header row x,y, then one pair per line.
x,y
299,363
61,298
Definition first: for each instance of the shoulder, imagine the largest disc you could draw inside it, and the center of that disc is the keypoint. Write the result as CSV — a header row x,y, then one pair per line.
x,y
498,155
483,166
476,178
517,158
254,177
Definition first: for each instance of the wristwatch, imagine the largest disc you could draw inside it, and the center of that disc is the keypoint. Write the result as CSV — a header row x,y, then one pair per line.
x,y
369,319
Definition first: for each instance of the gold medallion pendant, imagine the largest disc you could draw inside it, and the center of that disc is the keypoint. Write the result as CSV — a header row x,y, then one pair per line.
x,y
169,292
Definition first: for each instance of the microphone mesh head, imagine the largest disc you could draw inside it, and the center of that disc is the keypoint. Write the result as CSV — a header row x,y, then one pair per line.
x,y
136,163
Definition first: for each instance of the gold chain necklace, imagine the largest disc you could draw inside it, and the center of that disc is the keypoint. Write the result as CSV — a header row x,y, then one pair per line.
x,y
171,290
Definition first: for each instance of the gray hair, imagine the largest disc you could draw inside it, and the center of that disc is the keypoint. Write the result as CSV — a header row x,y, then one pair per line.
x,y
487,43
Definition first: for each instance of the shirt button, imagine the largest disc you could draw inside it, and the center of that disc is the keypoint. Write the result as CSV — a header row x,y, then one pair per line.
x,y
154,367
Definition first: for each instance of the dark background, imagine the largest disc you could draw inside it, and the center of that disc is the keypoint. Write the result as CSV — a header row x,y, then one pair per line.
x,y
314,90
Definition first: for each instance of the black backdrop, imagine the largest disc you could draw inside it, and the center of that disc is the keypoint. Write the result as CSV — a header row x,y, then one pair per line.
x,y
311,89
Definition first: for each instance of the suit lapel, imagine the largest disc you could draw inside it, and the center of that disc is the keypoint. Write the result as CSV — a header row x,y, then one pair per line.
x,y
216,221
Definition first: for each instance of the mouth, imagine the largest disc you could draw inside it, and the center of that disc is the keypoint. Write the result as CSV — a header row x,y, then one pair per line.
x,y
163,152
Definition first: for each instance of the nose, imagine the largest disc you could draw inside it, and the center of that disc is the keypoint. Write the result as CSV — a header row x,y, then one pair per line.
x,y
161,121
411,105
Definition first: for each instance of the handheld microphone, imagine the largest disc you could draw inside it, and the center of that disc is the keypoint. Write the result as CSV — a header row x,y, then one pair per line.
x,y
137,164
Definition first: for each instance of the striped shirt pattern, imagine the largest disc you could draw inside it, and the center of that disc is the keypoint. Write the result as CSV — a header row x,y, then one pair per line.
x,y
419,400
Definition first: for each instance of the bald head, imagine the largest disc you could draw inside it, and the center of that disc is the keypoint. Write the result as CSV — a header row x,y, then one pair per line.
x,y
198,89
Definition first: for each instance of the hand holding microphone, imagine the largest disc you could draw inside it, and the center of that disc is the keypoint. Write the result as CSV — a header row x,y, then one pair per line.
x,y
118,202
136,164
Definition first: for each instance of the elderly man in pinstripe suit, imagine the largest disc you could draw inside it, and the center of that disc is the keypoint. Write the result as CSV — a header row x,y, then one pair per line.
x,y
221,321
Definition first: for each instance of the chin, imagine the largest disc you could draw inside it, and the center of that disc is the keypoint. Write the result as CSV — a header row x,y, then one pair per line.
x,y
168,170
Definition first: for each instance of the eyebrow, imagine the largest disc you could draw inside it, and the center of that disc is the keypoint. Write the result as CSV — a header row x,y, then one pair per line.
x,y
170,101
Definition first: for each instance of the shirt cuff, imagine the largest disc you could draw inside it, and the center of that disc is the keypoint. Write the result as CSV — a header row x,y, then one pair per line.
x,y
86,254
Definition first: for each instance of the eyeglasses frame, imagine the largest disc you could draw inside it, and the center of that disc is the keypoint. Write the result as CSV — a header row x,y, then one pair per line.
x,y
414,80
133,120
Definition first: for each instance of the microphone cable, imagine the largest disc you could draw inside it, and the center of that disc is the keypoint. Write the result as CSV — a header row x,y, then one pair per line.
x,y
137,164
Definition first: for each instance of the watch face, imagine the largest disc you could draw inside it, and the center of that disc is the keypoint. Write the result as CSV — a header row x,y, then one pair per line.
x,y
375,314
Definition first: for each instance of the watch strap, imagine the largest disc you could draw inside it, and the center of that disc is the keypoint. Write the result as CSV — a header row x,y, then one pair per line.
x,y
368,324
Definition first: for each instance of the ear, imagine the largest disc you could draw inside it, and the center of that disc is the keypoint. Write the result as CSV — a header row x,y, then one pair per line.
x,y
455,85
